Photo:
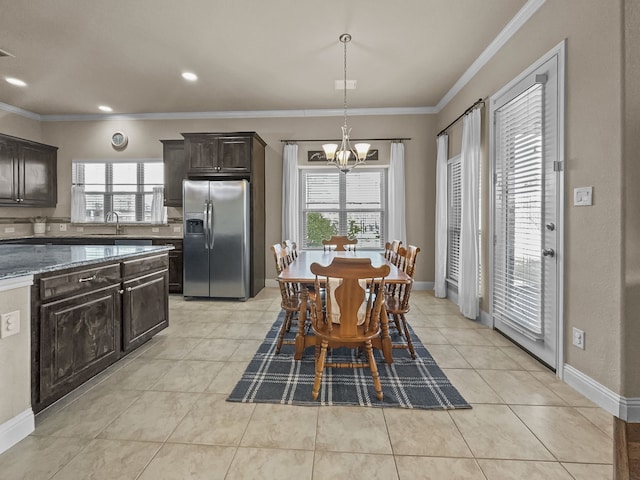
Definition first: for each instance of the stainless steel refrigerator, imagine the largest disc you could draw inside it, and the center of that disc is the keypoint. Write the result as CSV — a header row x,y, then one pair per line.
x,y
216,238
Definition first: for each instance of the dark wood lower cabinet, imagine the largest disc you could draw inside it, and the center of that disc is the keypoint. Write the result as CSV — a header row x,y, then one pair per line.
x,y
143,313
86,318
175,263
80,337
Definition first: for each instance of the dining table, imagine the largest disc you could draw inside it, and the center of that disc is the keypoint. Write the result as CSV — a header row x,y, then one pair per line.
x,y
299,271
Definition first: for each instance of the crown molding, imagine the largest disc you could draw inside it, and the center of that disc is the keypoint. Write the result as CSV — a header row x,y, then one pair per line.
x,y
522,17
19,111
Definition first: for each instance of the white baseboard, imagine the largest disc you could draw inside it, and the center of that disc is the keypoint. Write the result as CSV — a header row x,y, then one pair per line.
x,y
16,428
627,409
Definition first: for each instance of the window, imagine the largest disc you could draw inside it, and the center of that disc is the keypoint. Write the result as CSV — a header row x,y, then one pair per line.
x,y
337,204
454,212
132,189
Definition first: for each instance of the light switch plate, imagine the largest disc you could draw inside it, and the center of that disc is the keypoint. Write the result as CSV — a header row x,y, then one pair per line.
x,y
177,229
9,324
155,229
63,227
583,196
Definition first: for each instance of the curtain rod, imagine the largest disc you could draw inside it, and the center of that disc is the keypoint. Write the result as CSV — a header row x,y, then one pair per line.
x,y
476,103
352,139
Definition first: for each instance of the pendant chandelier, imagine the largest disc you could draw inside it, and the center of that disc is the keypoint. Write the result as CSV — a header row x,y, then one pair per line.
x,y
345,157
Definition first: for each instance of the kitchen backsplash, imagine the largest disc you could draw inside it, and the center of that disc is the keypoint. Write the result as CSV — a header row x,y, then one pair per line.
x,y
16,228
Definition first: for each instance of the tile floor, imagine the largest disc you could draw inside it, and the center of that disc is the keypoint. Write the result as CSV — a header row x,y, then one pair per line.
x,y
160,413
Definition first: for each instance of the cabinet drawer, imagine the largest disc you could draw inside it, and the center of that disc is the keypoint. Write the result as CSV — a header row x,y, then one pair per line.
x,y
144,265
79,281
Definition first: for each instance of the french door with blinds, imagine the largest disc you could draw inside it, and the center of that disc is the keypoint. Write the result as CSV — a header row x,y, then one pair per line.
x,y
526,216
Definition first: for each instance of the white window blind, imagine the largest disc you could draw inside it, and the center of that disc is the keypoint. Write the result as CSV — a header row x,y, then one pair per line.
x,y
123,187
454,210
337,204
519,180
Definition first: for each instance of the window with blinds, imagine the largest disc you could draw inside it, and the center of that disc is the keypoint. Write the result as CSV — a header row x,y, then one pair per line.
x,y
337,204
454,211
519,177
123,187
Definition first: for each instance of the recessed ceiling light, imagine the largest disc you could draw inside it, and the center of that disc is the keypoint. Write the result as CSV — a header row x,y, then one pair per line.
x,y
192,77
16,81
105,108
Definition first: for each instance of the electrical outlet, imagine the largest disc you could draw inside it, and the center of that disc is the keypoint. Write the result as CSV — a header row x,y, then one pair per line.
x,y
578,338
79,229
177,229
63,227
9,230
155,229
9,324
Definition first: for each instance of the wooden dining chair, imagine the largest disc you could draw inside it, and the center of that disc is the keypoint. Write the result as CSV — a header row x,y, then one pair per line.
x,y
391,250
290,293
338,243
397,297
291,249
348,316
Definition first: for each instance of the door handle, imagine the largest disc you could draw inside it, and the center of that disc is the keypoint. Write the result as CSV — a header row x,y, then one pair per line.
x,y
211,231
548,252
205,213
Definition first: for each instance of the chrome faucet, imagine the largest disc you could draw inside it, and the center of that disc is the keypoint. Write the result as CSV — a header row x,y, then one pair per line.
x,y
109,216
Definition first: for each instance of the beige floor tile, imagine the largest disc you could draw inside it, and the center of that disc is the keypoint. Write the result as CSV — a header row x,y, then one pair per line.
x,y
268,464
451,321
38,458
569,435
190,328
213,349
434,468
245,351
582,471
108,460
88,415
431,336
520,387
490,358
424,432
352,429
563,390
510,469
447,356
599,417
193,462
365,466
213,421
494,431
278,426
471,385
227,377
170,348
188,376
465,336
139,374
526,361
152,417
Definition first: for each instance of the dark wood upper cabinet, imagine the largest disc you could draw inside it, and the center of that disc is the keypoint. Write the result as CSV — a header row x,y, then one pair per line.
x,y
175,170
28,173
220,154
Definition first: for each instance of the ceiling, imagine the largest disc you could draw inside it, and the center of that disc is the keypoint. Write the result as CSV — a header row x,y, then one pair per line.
x,y
249,55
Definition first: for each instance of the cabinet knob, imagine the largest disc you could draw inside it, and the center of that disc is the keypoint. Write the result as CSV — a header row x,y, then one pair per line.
x,y
120,292
129,289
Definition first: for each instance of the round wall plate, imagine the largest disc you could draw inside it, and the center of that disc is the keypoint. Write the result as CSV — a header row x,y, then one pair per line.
x,y
119,140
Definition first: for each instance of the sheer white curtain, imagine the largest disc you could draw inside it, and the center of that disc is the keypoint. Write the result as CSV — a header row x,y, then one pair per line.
x,y
157,205
468,298
290,195
440,287
397,222
78,204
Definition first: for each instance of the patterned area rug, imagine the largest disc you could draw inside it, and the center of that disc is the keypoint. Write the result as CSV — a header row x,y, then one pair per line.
x,y
406,383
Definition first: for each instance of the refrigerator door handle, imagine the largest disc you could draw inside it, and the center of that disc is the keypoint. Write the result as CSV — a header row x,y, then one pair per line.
x,y
206,225
211,226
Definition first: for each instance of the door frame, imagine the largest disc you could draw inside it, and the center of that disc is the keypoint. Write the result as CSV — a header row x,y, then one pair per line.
x,y
559,52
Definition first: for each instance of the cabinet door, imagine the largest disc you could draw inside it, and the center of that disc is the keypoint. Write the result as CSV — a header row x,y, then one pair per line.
x,y
175,170
175,263
80,336
38,184
234,154
145,308
8,172
202,153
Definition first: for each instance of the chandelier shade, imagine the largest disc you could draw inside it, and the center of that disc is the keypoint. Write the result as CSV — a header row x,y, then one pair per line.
x,y
344,156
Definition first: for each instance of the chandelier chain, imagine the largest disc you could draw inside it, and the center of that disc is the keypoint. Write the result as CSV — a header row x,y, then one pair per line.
x,y
346,40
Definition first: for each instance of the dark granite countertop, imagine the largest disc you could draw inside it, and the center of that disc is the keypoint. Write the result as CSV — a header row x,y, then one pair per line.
x,y
20,260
